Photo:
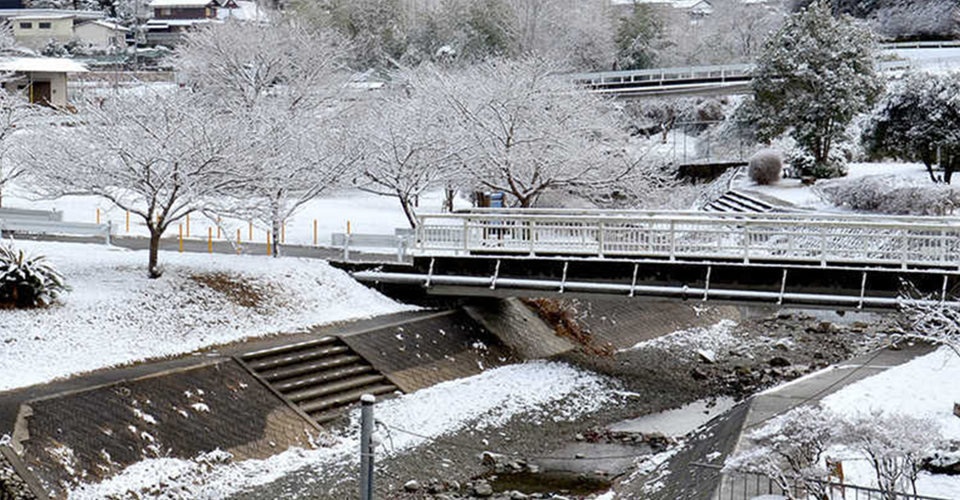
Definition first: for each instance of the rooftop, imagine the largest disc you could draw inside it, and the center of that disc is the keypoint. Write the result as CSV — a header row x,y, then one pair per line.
x,y
41,65
43,16
181,3
105,24
79,14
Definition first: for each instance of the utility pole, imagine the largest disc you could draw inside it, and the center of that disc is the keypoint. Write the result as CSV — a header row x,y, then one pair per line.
x,y
366,446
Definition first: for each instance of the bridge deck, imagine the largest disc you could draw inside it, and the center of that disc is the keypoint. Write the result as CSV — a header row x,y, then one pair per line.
x,y
789,258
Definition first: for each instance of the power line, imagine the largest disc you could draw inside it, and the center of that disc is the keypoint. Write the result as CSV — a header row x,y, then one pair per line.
x,y
821,392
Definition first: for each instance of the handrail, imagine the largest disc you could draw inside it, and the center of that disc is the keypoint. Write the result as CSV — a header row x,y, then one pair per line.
x,y
670,213
727,71
822,238
868,491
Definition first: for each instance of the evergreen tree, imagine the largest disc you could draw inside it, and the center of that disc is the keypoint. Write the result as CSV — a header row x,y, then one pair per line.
x,y
637,38
816,73
919,120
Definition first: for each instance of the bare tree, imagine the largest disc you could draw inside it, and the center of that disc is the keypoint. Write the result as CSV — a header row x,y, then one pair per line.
x,y
931,319
531,131
239,64
15,113
293,157
790,450
158,156
895,444
411,147
284,81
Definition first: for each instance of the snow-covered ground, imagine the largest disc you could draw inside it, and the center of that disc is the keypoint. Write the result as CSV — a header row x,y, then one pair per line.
x,y
532,390
114,315
925,388
792,191
366,213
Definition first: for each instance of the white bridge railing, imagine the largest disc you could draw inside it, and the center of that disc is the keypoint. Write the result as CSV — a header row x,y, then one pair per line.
x,y
820,239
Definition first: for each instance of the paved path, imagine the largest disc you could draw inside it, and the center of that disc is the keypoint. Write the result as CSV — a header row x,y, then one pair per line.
x,y
810,390
222,247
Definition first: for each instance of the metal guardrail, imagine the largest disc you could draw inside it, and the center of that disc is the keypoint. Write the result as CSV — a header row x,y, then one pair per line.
x,y
934,44
818,239
38,226
740,485
23,213
623,81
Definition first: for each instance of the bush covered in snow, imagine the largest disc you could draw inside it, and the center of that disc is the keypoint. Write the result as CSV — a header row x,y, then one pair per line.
x,y
890,195
27,281
765,167
803,163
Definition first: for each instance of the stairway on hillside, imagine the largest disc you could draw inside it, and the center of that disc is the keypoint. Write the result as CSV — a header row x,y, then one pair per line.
x,y
321,376
736,202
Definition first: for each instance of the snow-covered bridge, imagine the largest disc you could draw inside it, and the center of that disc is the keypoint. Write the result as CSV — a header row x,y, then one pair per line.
x,y
813,259
720,79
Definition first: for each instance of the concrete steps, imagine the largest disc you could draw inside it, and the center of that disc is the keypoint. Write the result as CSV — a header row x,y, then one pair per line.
x,y
736,202
321,376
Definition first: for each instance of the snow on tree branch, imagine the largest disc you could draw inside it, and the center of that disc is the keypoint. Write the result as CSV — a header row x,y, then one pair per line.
x,y
531,131
159,156
931,319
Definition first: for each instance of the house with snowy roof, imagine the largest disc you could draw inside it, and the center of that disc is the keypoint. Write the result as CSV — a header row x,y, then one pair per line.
x,y
694,8
42,79
35,28
172,18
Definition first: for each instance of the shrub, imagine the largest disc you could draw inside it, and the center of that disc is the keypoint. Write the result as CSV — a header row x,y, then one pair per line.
x,y
765,167
27,281
890,195
803,163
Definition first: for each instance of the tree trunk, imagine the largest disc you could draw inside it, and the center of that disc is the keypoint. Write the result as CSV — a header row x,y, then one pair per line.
x,y
949,163
448,195
277,233
407,211
277,224
153,269
927,157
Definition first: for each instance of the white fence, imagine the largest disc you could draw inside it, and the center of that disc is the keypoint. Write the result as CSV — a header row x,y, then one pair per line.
x,y
719,74
934,44
906,242
48,223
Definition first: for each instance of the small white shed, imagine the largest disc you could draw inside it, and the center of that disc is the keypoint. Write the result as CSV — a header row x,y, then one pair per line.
x,y
44,79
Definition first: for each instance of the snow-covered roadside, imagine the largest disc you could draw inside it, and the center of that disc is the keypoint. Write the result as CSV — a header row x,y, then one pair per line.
x,y
483,402
794,192
115,315
925,388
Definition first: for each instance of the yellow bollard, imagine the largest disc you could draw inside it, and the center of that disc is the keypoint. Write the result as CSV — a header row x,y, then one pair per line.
x,y
98,216
238,241
348,227
209,240
188,225
180,239
251,231
128,221
314,232
269,250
